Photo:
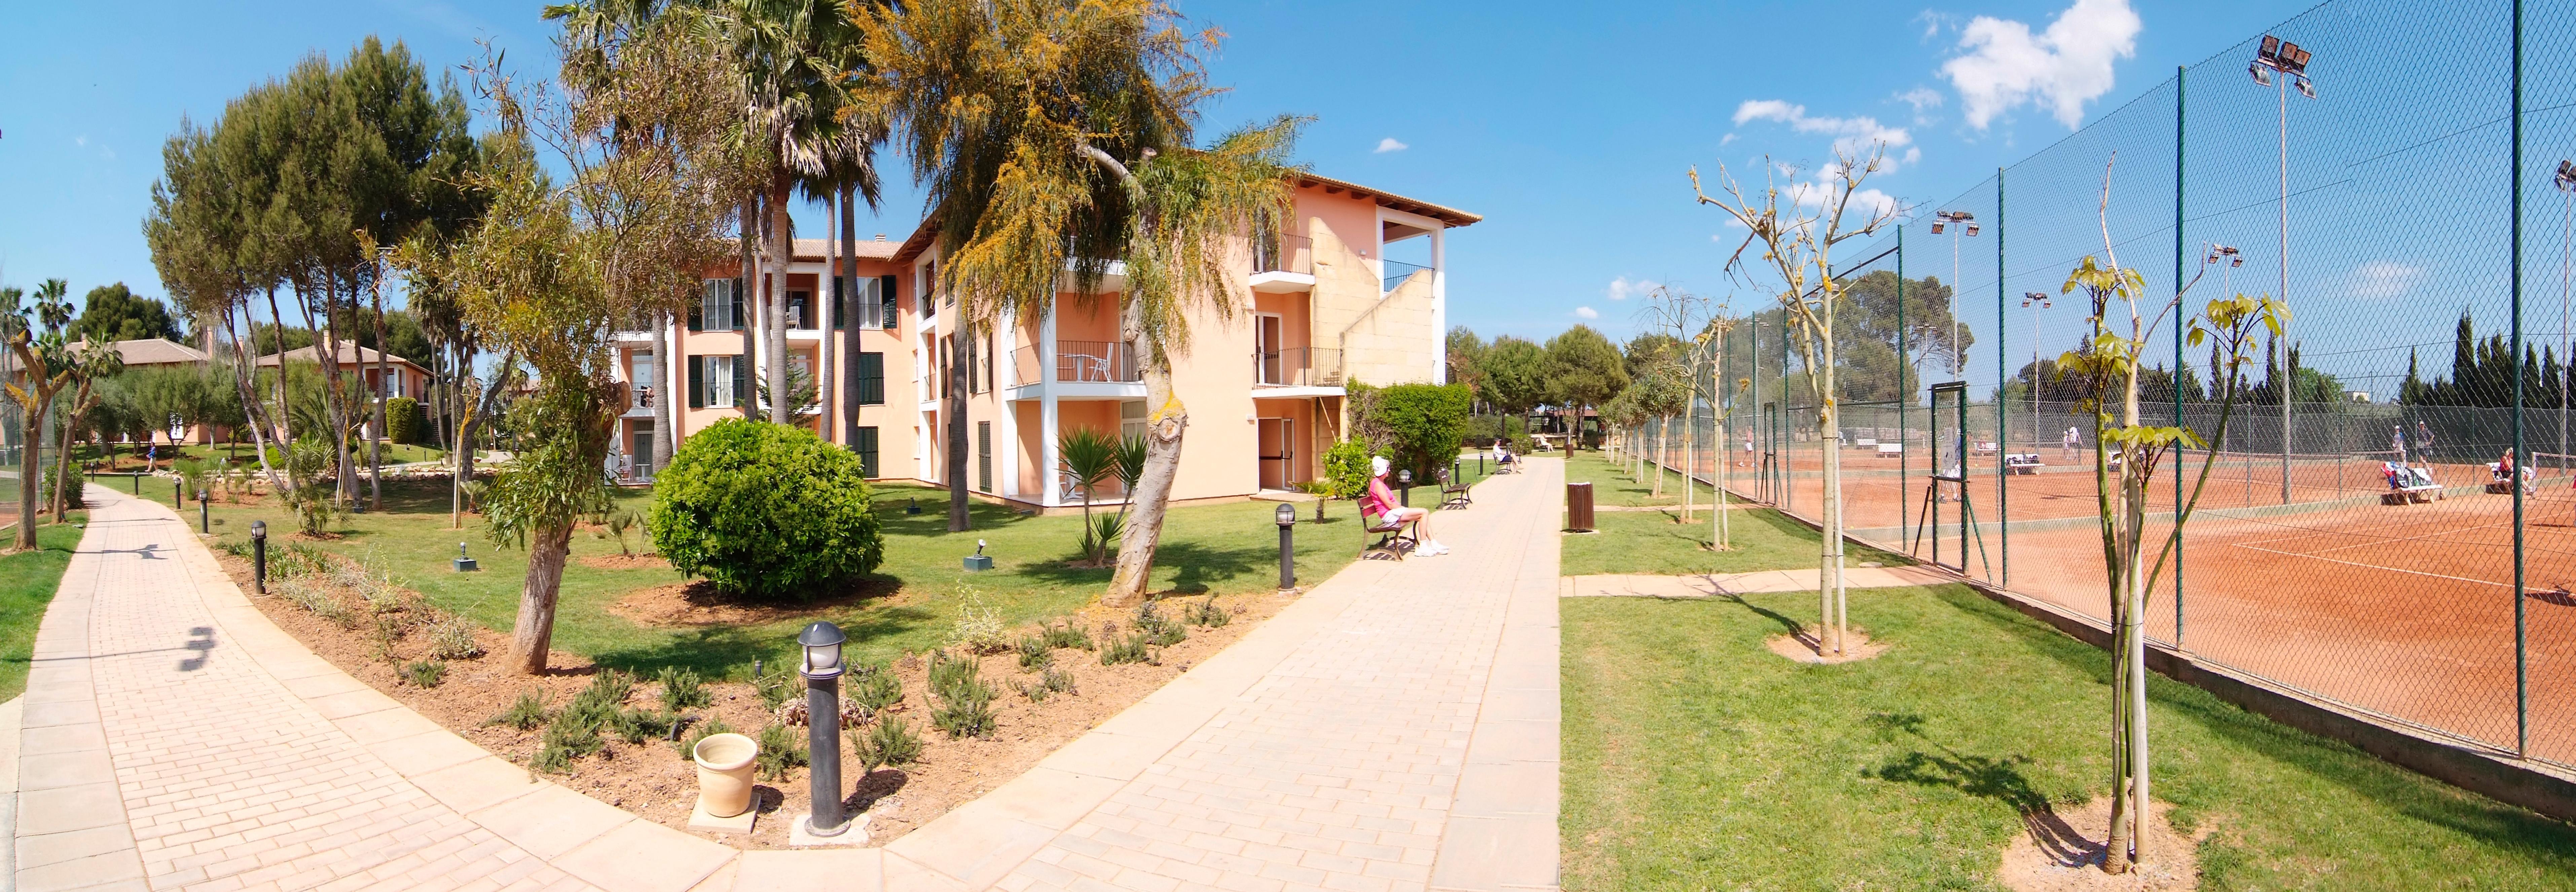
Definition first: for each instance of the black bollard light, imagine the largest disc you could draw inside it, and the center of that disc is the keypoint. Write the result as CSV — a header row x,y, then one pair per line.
x,y
1404,484
259,556
178,494
1286,516
203,526
822,671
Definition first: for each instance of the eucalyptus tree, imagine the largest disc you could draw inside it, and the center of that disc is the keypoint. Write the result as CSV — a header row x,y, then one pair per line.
x,y
1796,225
42,368
1058,135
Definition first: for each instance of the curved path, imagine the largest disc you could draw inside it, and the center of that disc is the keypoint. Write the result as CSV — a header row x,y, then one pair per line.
x,y
1396,728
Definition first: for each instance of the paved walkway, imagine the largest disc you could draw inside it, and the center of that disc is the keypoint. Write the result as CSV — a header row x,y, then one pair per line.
x,y
1396,728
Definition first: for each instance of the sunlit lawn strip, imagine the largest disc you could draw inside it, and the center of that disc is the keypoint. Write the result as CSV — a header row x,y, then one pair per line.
x,y
28,581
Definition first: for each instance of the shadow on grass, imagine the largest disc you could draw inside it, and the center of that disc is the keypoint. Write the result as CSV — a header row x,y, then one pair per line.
x,y
1787,625
2331,761
727,651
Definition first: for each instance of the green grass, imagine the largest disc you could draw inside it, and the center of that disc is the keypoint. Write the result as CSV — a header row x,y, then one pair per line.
x,y
1612,485
1656,542
27,583
915,595
130,457
1696,759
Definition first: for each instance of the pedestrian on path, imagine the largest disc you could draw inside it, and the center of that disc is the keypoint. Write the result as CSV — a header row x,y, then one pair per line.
x,y
1380,501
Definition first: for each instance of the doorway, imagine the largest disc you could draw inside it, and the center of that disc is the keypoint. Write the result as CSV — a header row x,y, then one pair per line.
x,y
1277,444
1269,351
640,447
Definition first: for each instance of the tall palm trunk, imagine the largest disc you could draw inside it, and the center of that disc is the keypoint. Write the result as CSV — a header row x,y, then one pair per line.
x,y
955,407
782,249
749,404
849,332
1165,424
665,415
824,306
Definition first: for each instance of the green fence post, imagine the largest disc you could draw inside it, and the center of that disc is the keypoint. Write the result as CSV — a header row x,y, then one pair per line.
x,y
2179,312
1903,365
2003,498
2522,459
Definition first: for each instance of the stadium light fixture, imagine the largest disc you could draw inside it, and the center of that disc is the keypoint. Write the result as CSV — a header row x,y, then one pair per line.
x,y
2290,60
2566,178
2039,297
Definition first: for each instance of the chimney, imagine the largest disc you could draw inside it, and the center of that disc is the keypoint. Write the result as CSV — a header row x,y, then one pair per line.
x,y
880,236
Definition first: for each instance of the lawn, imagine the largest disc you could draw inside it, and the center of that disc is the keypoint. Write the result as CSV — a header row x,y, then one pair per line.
x,y
1612,485
1694,758
916,594
27,583
1657,542
129,457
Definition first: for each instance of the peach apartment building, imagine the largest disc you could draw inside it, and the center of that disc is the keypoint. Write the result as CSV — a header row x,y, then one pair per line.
x,y
1265,388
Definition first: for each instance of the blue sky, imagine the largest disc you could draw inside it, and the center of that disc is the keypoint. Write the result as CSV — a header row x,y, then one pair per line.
x,y
1569,127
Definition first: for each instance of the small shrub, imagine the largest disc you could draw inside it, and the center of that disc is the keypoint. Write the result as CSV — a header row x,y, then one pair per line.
x,y
1034,655
636,725
619,523
964,703
1067,635
315,600
1206,615
389,631
527,713
425,673
779,751
890,743
766,509
1051,682
704,730
567,739
874,688
979,628
452,638
775,689
1160,630
1135,648
681,689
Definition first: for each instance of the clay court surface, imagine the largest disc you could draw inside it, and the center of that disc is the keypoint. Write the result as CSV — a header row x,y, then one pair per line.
x,y
2406,611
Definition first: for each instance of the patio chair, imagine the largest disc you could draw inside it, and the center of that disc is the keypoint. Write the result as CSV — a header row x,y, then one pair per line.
x,y
1453,494
1392,544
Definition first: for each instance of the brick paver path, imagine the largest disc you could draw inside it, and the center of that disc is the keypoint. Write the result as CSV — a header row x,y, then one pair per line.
x,y
222,778
1395,728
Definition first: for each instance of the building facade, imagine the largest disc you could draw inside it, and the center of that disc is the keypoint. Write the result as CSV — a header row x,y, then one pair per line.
x,y
1265,380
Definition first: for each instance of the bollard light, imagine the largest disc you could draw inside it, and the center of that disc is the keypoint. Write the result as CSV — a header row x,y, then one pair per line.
x,y
1286,516
822,671
203,526
259,556
1404,484
178,494
464,564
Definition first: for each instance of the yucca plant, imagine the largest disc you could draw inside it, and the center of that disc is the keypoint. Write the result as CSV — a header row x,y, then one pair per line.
x,y
1089,458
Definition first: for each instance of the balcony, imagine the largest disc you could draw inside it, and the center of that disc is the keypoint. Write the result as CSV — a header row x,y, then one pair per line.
x,y
639,398
1398,272
1283,265
1078,362
1297,367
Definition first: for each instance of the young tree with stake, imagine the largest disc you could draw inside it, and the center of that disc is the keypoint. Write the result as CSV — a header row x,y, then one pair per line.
x,y
1797,242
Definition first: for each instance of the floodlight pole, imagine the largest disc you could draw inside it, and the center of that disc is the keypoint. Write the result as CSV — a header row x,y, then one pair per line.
x,y
2290,69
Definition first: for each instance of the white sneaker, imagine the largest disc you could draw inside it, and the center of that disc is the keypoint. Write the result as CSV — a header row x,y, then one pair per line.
x,y
1429,549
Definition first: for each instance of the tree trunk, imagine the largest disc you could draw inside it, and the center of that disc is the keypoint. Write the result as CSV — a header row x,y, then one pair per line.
x,y
536,627
63,451
665,415
285,411
1829,582
375,444
254,411
826,300
1163,431
955,405
334,397
749,404
30,469
849,333
782,409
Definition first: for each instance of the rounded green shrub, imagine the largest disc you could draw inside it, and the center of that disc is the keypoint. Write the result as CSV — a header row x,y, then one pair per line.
x,y
764,509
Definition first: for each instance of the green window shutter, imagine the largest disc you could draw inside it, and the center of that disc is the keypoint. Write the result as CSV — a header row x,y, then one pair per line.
x,y
885,292
871,379
696,307
733,315
697,382
840,297
983,456
866,445
742,393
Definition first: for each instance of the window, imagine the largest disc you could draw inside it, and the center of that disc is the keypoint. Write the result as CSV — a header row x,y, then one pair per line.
x,y
1131,419
988,361
871,379
720,307
885,293
723,373
864,442
946,345
800,310
927,283
983,456
974,383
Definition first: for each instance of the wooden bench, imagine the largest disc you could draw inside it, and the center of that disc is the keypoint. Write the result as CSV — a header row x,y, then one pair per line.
x,y
2419,495
1392,544
2023,463
1891,450
1453,494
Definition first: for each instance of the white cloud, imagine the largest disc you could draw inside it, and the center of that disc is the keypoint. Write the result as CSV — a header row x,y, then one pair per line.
x,y
2005,66
1389,144
1586,313
1623,288
1723,140
1921,98
1854,135
2384,278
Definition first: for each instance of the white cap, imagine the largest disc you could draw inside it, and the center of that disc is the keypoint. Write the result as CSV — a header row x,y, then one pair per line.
x,y
1377,466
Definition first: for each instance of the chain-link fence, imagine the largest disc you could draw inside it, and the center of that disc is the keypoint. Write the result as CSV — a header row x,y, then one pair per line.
x,y
2363,535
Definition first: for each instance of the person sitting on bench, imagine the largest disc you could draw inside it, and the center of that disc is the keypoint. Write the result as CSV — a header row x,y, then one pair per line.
x,y
1380,500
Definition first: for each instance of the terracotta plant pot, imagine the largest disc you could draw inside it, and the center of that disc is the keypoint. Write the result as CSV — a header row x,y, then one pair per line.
x,y
724,773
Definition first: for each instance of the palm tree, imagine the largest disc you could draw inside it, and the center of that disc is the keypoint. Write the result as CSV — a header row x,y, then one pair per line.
x,y
1089,457
43,369
1071,158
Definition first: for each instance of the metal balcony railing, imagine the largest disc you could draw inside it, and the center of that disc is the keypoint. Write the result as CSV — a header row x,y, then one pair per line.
x,y
1397,271
1283,254
1096,361
1297,367
641,397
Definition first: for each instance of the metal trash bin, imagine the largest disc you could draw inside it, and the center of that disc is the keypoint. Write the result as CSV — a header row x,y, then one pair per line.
x,y
1578,507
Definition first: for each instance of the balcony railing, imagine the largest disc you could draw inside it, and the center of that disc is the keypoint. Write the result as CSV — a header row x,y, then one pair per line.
x,y
1284,254
1397,271
641,397
1096,361
1297,367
